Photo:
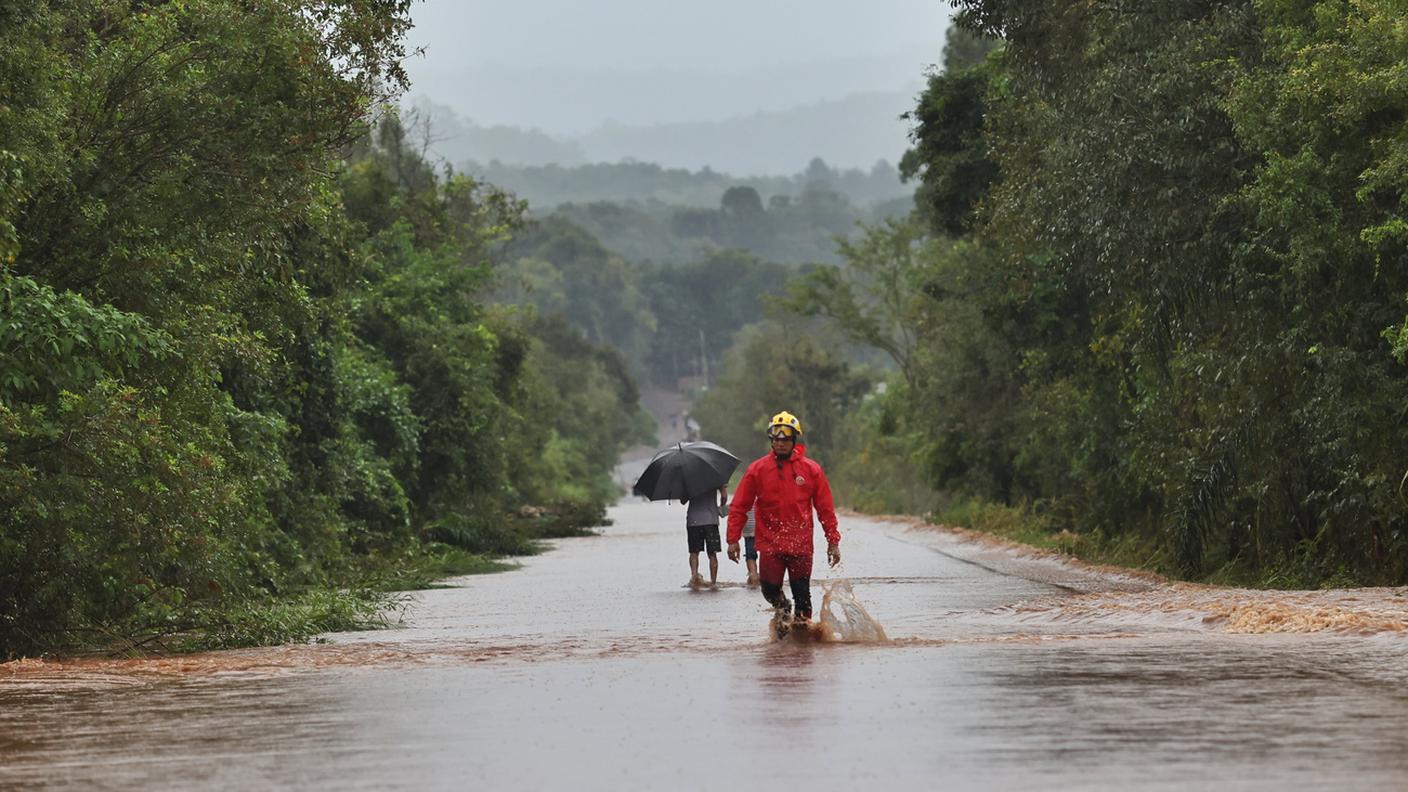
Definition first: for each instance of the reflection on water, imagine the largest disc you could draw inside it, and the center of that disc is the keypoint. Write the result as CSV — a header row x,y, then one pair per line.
x,y
782,685
591,667
1261,712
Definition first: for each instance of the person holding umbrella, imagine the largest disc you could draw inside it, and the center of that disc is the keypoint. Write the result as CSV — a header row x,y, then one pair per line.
x,y
693,473
782,488
702,525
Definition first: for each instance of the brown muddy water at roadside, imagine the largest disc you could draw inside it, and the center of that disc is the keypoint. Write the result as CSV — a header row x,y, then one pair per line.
x,y
1355,611
1110,595
593,667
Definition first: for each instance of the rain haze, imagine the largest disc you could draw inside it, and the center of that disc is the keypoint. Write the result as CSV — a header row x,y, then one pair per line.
x,y
740,87
639,406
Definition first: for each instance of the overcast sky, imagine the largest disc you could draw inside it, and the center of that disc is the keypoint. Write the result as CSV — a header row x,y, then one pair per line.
x,y
567,66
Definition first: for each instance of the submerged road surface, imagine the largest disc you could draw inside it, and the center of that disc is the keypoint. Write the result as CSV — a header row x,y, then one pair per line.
x,y
595,668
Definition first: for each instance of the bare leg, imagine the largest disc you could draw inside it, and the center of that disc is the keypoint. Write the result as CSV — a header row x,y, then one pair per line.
x,y
752,571
713,569
694,569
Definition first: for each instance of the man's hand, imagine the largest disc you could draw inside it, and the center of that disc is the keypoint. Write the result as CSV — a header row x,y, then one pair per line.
x,y
733,552
833,554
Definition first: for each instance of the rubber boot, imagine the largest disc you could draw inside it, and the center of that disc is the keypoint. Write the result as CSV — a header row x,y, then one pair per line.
x,y
802,593
772,592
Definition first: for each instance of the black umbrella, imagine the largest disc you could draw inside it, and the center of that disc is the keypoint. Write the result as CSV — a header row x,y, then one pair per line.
x,y
685,471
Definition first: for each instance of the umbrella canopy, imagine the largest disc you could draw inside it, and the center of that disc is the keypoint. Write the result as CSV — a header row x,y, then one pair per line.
x,y
685,471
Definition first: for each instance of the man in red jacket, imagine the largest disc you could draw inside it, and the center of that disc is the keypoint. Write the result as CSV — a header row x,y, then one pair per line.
x,y
786,486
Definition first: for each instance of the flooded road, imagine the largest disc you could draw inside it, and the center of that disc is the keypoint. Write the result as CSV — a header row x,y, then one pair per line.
x,y
595,667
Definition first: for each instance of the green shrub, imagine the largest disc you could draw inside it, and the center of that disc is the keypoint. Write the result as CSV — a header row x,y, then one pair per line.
x,y
483,536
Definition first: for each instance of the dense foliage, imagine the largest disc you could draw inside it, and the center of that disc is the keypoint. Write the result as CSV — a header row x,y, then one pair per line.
x,y
775,364
797,229
1174,324
667,321
246,351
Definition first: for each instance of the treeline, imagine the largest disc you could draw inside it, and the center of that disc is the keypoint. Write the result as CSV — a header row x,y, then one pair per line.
x,y
800,230
249,359
669,322
643,212
648,184
1155,302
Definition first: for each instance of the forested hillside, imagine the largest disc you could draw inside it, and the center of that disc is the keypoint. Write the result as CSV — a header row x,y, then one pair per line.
x,y
248,363
1153,307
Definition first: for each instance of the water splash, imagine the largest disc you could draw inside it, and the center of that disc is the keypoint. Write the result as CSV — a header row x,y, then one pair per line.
x,y
844,619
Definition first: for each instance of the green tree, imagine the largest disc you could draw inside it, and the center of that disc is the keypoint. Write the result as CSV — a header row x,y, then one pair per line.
x,y
877,298
777,365
162,166
598,292
1194,210
964,49
950,157
700,307
741,202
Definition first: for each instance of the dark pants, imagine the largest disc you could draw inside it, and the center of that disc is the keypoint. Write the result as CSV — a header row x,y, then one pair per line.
x,y
771,566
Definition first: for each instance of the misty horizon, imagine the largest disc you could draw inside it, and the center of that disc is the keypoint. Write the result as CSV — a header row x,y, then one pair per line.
x,y
854,132
589,83
569,103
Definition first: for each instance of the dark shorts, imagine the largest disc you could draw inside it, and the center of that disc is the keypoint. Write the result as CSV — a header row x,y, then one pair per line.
x,y
750,550
702,536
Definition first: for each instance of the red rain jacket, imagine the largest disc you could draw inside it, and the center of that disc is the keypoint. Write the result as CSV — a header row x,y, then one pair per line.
x,y
785,493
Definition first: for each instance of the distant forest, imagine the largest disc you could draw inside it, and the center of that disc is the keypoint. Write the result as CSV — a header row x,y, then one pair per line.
x,y
789,231
645,211
545,186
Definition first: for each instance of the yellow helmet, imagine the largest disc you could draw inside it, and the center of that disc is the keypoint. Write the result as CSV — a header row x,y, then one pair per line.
x,y
785,420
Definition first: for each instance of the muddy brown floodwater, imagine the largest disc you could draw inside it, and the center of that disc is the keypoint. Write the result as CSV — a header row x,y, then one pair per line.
x,y
594,667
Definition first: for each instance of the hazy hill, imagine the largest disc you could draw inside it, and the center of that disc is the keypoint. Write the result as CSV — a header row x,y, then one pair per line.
x,y
459,140
574,100
852,132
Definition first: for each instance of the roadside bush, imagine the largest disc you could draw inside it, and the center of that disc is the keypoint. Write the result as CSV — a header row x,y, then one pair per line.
x,y
483,536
